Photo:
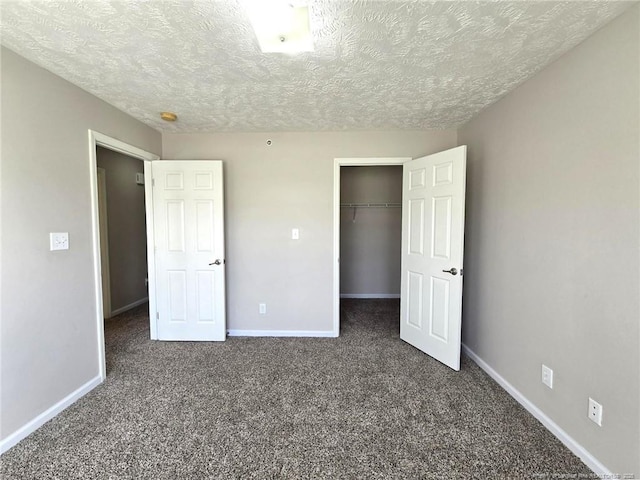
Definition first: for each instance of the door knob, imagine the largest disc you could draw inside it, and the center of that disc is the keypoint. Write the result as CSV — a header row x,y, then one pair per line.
x,y
217,262
453,271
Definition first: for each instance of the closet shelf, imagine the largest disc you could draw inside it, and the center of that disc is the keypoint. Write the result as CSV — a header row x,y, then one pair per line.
x,y
370,205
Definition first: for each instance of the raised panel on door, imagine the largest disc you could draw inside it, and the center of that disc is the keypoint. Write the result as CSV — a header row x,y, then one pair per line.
x,y
203,180
417,178
205,301
441,227
205,226
439,315
177,292
175,225
416,226
173,180
443,174
415,299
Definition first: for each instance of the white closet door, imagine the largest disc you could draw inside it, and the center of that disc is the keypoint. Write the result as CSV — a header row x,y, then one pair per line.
x,y
432,254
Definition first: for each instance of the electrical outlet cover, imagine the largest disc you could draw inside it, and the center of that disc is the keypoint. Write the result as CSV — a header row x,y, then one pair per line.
x,y
595,412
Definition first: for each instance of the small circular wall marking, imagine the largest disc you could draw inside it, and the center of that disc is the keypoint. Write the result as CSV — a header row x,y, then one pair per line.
x,y
268,142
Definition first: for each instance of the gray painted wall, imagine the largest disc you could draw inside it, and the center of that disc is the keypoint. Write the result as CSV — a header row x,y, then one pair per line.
x,y
370,244
551,243
127,228
551,261
271,189
48,329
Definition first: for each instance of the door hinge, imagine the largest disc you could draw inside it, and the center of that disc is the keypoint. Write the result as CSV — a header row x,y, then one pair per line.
x,y
157,315
153,182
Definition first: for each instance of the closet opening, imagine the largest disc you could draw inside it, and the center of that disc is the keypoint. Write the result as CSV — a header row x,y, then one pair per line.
x,y
370,240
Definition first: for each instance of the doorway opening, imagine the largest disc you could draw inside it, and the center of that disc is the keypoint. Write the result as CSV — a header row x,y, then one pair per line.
x,y
123,232
370,231
370,245
367,229
104,150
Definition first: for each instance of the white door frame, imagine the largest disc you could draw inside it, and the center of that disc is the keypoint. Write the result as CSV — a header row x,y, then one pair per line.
x,y
97,139
348,162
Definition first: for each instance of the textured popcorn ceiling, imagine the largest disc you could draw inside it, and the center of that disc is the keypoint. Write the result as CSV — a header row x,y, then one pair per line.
x,y
376,64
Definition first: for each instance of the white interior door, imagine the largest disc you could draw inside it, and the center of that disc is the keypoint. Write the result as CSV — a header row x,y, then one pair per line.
x,y
189,236
432,254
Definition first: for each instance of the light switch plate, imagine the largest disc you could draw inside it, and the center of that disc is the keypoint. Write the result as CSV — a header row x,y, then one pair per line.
x,y
295,234
59,241
547,376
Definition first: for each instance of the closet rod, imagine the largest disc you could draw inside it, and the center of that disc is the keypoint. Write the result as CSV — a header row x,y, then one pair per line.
x,y
371,205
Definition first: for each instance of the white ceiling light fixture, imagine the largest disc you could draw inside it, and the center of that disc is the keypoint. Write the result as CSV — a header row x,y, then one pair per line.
x,y
281,26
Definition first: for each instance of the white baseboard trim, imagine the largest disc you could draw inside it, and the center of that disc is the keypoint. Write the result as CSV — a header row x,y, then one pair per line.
x,y
281,333
120,310
48,414
369,295
592,462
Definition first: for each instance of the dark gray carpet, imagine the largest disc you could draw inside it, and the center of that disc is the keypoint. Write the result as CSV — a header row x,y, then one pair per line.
x,y
364,405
